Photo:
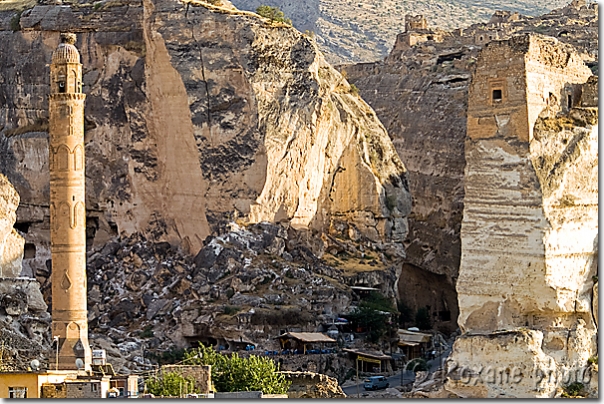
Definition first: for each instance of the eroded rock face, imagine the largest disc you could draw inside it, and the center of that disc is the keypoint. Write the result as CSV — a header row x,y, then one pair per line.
x,y
196,116
530,224
24,322
11,242
420,93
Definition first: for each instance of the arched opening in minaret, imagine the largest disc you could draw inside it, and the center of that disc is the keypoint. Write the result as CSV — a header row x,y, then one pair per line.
x,y
75,81
62,87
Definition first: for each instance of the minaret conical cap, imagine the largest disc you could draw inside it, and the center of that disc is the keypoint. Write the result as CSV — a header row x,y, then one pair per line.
x,y
66,52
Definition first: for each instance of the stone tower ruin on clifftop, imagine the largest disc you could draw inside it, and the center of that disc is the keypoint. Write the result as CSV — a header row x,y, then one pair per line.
x,y
530,223
67,206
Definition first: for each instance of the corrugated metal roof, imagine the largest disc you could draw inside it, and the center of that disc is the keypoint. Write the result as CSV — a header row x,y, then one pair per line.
x,y
412,336
375,355
405,343
307,336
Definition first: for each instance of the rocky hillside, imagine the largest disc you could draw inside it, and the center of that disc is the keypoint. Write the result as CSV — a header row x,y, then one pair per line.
x,y
420,93
365,30
201,123
24,320
146,298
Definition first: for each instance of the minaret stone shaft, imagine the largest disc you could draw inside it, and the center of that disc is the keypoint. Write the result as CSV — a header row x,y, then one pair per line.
x,y
67,206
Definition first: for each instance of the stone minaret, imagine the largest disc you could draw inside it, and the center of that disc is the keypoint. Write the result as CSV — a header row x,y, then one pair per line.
x,y
67,206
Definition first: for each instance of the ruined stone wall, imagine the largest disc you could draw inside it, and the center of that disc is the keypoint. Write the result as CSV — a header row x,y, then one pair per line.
x,y
529,230
494,129
312,385
83,390
201,373
52,390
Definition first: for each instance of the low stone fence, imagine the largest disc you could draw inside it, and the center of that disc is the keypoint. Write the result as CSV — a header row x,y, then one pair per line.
x,y
201,373
313,385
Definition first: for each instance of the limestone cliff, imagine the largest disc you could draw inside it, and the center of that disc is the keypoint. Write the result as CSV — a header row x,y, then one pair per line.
x,y
420,93
202,124
11,242
530,223
24,321
197,116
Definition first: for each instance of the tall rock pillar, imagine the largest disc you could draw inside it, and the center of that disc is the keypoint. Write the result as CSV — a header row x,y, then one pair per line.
x,y
67,206
530,224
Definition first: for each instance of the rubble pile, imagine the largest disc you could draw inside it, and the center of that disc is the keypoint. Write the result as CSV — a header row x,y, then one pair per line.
x,y
146,298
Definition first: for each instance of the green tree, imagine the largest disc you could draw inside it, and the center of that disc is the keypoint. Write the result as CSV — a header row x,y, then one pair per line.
x,y
422,319
372,314
405,313
234,373
171,384
273,14
378,301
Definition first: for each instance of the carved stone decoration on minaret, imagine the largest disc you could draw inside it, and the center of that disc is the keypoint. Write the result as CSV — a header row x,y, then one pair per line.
x,y
67,205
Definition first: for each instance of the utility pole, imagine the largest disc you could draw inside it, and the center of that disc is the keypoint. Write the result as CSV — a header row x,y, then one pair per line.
x,y
56,340
357,362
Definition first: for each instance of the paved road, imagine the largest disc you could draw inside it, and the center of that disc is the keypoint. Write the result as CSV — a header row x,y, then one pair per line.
x,y
395,380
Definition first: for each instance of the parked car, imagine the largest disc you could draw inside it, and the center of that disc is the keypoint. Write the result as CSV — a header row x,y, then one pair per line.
x,y
376,383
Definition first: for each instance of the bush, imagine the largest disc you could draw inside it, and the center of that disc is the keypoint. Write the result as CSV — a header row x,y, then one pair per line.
x,y
171,356
15,22
171,384
575,389
234,373
417,365
231,309
405,313
391,202
273,14
147,332
354,89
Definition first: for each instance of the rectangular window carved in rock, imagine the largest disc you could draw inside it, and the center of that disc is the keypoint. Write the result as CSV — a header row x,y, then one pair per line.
x,y
497,95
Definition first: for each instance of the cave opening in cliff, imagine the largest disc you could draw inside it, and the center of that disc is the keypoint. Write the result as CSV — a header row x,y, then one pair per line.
x,y
29,251
23,227
92,225
419,288
449,57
